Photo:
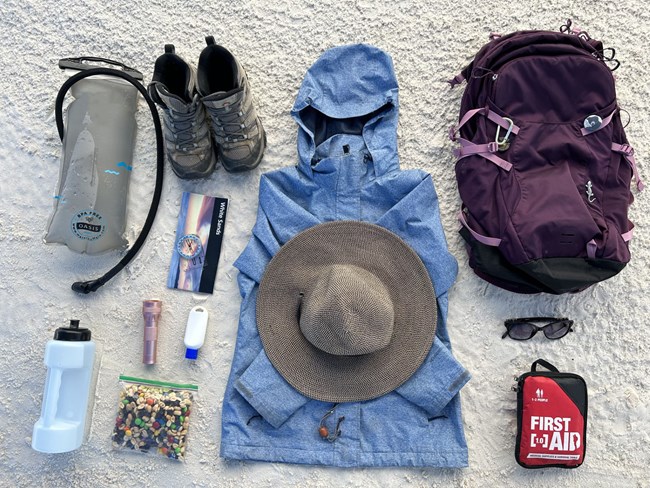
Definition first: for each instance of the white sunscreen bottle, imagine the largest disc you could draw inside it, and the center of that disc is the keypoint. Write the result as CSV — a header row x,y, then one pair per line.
x,y
197,324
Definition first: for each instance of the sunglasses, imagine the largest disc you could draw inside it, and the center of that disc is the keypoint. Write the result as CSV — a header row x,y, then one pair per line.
x,y
524,329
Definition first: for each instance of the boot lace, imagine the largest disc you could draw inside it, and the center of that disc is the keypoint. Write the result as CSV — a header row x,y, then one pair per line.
x,y
229,121
183,127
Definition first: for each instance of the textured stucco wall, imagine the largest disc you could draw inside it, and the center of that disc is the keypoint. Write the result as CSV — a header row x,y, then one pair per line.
x,y
276,42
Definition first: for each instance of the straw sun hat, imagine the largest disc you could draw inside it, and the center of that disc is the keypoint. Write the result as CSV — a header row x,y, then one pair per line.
x,y
346,311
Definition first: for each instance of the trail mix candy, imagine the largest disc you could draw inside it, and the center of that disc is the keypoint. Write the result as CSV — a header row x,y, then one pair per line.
x,y
153,417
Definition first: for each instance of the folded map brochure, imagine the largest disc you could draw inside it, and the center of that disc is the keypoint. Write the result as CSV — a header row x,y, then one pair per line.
x,y
197,246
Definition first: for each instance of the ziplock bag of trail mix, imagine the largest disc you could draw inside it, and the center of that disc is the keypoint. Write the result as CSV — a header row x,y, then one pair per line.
x,y
153,417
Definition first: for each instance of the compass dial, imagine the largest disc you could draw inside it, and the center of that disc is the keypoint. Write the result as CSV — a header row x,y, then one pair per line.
x,y
189,246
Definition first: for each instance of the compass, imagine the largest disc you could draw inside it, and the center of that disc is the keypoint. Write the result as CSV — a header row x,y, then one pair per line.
x,y
189,246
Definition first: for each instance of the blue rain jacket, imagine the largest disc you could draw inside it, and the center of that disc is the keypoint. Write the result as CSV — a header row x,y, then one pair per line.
x,y
348,169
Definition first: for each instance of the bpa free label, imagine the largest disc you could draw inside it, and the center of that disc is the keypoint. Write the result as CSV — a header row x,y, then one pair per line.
x,y
88,225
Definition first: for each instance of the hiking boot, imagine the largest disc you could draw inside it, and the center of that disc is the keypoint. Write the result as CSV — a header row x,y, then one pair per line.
x,y
236,129
186,128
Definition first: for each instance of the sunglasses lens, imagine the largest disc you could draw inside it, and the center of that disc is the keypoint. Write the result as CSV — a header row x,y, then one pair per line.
x,y
522,331
556,330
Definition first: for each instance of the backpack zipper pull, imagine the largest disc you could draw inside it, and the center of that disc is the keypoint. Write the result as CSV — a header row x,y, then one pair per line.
x,y
480,72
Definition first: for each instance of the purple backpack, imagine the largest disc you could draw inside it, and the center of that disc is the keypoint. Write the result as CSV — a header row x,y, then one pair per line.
x,y
544,167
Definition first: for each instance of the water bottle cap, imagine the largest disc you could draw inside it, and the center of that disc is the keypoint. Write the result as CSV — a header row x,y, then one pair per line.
x,y
72,333
191,353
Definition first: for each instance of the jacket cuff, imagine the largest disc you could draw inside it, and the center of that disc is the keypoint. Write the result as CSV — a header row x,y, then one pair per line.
x,y
268,392
449,374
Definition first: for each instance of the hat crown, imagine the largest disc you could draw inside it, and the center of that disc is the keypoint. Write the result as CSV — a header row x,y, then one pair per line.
x,y
347,312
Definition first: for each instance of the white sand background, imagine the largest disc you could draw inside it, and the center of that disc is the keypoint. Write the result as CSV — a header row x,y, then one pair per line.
x,y
276,42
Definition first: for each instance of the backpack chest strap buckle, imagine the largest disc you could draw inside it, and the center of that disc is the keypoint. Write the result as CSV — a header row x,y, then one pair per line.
x,y
486,151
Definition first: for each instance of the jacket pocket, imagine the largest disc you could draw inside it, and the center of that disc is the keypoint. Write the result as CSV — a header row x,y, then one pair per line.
x,y
268,392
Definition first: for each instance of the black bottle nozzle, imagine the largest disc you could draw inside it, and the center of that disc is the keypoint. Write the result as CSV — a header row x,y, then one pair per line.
x,y
72,333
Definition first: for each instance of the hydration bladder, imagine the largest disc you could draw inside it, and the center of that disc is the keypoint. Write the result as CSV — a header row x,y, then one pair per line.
x,y
98,137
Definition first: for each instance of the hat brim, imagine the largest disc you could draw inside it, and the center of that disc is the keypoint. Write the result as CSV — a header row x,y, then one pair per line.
x,y
293,270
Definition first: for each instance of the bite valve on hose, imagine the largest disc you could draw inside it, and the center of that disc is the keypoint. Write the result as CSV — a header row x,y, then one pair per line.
x,y
151,312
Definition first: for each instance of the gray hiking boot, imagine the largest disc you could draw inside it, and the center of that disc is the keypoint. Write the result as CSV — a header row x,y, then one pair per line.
x,y
236,129
186,128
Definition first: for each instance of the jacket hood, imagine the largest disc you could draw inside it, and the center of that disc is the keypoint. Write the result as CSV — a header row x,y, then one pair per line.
x,y
349,90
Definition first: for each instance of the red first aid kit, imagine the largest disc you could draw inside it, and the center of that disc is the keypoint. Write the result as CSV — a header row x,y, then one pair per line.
x,y
551,418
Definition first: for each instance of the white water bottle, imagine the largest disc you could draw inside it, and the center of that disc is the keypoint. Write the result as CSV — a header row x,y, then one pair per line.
x,y
69,359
